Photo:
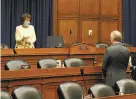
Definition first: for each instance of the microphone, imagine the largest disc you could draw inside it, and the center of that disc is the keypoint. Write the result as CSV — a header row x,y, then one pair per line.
x,y
82,71
14,51
70,31
82,74
73,39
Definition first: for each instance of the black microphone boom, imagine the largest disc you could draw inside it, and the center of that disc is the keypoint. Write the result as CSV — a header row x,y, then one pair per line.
x,y
73,38
82,74
70,31
82,71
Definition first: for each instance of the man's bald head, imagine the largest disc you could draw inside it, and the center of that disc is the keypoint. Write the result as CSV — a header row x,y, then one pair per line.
x,y
115,36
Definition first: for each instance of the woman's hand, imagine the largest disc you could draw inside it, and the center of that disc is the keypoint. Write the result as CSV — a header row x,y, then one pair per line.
x,y
27,39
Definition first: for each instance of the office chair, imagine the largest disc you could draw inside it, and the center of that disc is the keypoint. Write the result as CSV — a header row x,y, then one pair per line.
x,y
16,65
4,46
5,95
133,67
126,86
26,92
133,73
74,62
70,90
127,45
101,90
101,45
46,63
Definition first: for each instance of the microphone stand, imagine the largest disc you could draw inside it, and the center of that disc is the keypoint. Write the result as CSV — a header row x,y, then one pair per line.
x,y
73,42
82,74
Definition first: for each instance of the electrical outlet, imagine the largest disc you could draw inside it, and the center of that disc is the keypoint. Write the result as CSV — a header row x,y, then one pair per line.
x,y
90,32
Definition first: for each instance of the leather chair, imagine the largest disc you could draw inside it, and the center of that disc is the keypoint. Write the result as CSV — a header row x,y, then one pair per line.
x,y
4,46
101,45
26,92
5,95
16,65
46,63
127,45
133,63
126,86
133,58
101,90
70,90
133,73
74,62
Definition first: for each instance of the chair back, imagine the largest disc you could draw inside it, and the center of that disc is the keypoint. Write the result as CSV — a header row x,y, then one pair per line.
x,y
126,86
5,95
46,63
74,62
133,73
4,46
26,92
101,90
70,90
101,45
16,65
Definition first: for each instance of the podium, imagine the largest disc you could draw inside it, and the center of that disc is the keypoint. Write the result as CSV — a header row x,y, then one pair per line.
x,y
93,56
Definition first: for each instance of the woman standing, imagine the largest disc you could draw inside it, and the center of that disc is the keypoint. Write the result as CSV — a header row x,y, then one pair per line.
x,y
25,33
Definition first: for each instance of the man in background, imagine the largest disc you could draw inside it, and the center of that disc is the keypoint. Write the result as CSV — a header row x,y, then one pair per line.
x,y
115,61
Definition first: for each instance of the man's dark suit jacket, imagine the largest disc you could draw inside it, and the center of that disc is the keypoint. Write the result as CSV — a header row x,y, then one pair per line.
x,y
115,63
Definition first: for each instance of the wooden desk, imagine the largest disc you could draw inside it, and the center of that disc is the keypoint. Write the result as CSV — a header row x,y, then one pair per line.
x,y
93,56
47,80
90,54
132,49
84,51
6,55
128,96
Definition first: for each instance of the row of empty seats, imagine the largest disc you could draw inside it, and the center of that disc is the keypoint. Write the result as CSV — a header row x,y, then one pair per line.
x,y
43,63
52,63
72,90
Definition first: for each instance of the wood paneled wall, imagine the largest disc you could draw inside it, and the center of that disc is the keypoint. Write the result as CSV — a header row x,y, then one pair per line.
x,y
74,18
